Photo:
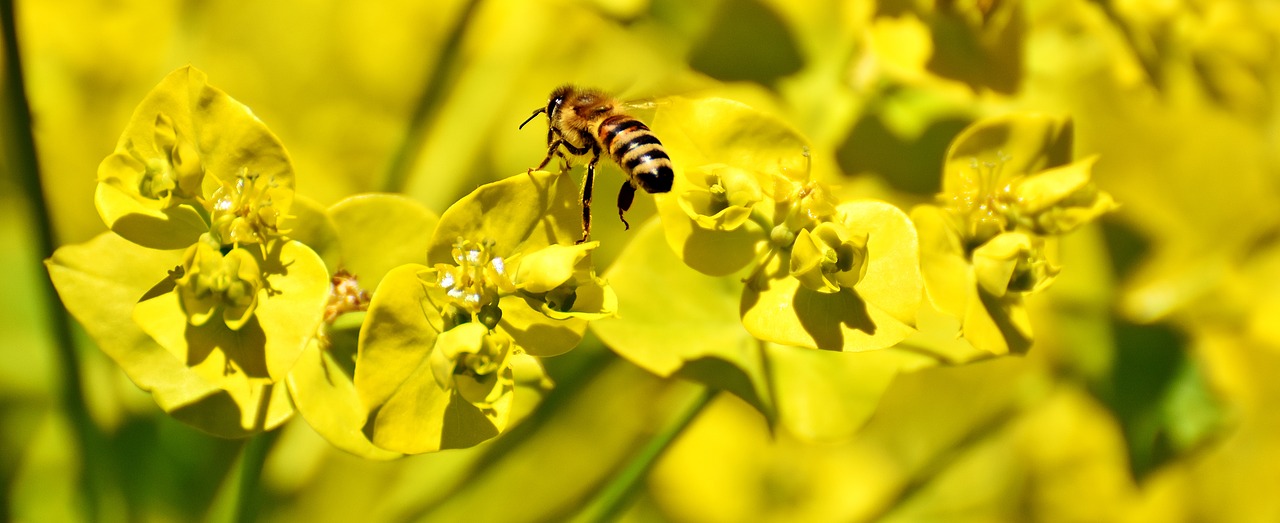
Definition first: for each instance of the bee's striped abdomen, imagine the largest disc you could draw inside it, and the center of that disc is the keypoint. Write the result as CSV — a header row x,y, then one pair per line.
x,y
634,147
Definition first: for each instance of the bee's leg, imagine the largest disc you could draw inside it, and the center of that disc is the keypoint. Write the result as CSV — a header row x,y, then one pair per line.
x,y
625,197
574,150
578,151
586,196
552,150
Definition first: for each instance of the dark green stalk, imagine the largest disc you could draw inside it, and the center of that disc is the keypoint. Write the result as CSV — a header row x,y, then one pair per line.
x,y
441,77
621,490
22,163
942,461
1148,62
254,455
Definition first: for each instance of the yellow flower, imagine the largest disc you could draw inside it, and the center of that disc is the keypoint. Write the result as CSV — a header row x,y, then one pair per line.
x,y
472,360
244,211
1012,262
830,258
722,197
212,281
1058,200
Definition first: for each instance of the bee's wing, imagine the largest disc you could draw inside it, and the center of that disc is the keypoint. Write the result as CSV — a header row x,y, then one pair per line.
x,y
644,108
646,104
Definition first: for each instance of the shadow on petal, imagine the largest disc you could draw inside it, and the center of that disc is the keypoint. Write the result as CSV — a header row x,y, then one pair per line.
x,y
165,286
1003,313
211,410
822,314
732,377
173,228
719,253
244,347
464,425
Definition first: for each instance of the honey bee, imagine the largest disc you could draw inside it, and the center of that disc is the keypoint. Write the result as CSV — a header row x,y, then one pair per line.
x,y
587,121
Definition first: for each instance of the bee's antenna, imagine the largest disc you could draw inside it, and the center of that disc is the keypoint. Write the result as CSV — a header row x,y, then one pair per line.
x,y
535,113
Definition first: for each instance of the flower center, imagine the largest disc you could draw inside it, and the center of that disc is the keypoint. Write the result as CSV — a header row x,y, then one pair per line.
x,y
476,282
243,210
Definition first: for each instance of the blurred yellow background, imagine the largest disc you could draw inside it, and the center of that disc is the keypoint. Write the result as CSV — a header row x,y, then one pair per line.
x,y
1148,396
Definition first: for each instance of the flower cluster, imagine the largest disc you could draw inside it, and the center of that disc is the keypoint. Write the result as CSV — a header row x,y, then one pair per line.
x,y
221,301
465,304
754,208
448,335
1008,190
200,201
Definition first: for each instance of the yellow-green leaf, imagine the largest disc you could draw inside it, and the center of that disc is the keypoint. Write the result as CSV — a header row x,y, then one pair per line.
x,y
946,272
379,232
701,131
827,396
309,223
399,330
676,320
997,325
323,389
524,212
373,233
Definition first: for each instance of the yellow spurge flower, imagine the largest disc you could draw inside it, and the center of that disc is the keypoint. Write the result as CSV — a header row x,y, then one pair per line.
x,y
244,211
435,363
803,205
830,258
1058,200
212,282
1013,262
472,360
186,141
476,280
975,206
561,281
722,197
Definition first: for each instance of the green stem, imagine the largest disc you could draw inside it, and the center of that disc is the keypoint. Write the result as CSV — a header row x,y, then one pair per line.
x,y
442,76
941,461
252,458
618,494
1145,60
24,165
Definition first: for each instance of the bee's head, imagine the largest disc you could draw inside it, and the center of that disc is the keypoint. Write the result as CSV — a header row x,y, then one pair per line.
x,y
557,99
552,109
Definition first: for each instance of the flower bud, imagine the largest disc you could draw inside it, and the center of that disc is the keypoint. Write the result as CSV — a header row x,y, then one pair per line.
x,y
1058,200
212,281
830,258
722,198
1012,262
